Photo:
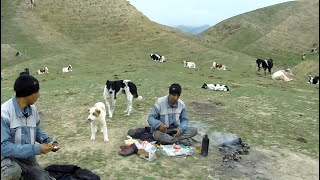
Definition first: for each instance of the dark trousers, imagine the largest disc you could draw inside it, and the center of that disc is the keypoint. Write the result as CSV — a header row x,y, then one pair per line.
x,y
165,137
26,169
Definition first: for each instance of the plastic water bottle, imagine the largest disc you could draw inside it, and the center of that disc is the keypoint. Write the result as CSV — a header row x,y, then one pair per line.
x,y
205,145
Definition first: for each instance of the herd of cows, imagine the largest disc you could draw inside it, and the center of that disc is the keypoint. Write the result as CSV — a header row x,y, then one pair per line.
x,y
46,70
284,75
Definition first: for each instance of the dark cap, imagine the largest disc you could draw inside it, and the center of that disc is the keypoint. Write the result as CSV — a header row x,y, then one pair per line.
x,y
175,89
25,85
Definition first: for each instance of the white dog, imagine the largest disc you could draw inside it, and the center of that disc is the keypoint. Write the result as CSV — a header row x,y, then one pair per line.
x,y
97,115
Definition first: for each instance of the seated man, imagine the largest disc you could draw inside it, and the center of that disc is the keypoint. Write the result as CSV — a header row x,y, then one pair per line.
x,y
20,130
168,119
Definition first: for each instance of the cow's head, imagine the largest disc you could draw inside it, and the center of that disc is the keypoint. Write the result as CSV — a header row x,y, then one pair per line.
x,y
204,86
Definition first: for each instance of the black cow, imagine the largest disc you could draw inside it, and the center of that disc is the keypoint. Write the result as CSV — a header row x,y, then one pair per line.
x,y
266,64
313,80
157,57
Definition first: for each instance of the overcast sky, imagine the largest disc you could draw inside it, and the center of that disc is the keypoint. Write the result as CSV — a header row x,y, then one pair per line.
x,y
197,12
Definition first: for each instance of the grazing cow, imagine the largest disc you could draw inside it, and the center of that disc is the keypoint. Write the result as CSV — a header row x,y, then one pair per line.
x,y
163,59
314,50
32,4
43,70
189,64
303,56
26,71
218,66
18,54
215,87
266,64
313,80
157,57
67,69
284,75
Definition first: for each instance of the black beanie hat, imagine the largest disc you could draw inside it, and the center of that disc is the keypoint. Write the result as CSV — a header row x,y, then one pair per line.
x,y
175,89
25,85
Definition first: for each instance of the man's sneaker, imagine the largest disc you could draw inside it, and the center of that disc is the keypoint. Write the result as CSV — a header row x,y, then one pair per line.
x,y
186,142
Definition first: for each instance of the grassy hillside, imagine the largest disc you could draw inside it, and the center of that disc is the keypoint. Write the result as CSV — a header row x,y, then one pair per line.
x,y
107,40
282,32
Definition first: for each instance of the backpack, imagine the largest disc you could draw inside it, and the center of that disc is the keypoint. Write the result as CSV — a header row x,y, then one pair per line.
x,y
143,134
70,172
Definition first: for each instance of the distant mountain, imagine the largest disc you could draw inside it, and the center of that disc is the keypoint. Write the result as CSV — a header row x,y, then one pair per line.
x,y
193,29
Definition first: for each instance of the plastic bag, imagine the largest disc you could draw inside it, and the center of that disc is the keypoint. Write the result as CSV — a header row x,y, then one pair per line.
x,y
129,141
149,148
176,150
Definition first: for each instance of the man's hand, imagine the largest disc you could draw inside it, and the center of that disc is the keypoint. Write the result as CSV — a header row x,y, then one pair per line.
x,y
178,133
45,148
162,128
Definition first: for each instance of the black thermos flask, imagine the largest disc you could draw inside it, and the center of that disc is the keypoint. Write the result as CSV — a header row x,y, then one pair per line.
x,y
205,145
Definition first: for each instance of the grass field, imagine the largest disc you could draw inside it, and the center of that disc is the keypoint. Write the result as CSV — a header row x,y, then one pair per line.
x,y
266,114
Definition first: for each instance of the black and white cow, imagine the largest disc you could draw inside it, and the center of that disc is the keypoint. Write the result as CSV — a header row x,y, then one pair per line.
x,y
266,64
215,87
18,54
314,50
43,70
313,80
157,57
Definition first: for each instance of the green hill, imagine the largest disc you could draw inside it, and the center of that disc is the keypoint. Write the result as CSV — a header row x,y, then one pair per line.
x,y
282,32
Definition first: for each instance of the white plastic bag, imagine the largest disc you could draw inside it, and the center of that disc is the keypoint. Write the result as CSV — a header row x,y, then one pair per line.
x,y
177,150
130,141
148,147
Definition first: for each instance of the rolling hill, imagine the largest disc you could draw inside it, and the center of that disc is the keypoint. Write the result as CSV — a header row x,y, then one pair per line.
x,y
282,31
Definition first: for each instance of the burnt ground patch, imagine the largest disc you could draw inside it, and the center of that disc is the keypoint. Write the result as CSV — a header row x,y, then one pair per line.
x,y
204,109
